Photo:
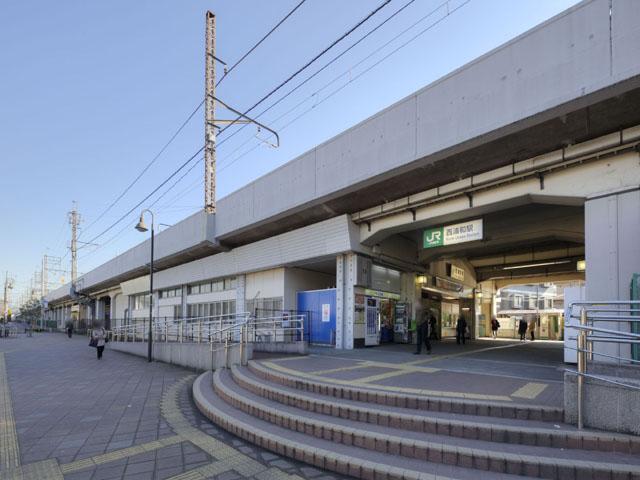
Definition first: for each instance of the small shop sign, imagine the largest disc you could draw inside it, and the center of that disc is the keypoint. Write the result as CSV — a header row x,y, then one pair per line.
x,y
452,234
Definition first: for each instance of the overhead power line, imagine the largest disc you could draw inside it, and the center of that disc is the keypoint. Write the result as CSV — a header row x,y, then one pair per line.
x,y
360,62
275,27
327,65
306,65
165,181
144,170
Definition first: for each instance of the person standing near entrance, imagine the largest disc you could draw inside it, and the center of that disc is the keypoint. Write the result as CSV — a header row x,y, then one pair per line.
x,y
98,336
423,334
522,330
433,327
495,325
461,330
532,330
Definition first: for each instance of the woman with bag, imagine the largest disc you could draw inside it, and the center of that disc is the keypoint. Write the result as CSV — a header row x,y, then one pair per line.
x,y
98,339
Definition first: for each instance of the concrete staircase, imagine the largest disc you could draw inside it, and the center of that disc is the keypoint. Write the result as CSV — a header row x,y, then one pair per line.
x,y
366,433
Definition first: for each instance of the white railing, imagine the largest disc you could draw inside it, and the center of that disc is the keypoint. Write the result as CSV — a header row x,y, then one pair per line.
x,y
626,315
235,328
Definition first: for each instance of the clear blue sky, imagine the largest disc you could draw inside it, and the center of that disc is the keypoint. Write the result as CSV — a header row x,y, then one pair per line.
x,y
90,91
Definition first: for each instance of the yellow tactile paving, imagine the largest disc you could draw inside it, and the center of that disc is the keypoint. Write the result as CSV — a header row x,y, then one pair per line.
x,y
414,391
226,457
9,447
44,470
118,454
529,391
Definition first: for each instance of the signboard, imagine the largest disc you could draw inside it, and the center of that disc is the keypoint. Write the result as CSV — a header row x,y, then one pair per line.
x,y
452,234
326,312
457,273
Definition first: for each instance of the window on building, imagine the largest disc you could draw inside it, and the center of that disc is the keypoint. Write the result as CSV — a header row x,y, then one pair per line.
x,y
141,301
220,285
264,305
532,302
517,301
204,311
170,293
548,302
177,311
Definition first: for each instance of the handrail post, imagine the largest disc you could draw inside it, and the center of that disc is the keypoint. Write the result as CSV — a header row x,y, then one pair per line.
x,y
582,365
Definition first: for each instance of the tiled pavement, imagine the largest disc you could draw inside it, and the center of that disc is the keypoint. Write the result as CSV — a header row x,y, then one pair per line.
x,y
500,371
121,417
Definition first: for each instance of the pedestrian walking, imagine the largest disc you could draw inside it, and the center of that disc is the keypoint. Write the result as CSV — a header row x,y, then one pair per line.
x,y
461,330
69,329
522,330
423,334
433,327
532,330
495,325
98,340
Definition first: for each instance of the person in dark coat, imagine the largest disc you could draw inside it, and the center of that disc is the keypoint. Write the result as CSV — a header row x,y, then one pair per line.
x,y
423,334
532,330
495,325
522,330
433,327
461,330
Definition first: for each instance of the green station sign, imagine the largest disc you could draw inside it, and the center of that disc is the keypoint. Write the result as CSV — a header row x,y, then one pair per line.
x,y
452,234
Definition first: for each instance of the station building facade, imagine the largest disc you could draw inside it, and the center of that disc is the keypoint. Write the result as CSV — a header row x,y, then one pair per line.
x,y
520,168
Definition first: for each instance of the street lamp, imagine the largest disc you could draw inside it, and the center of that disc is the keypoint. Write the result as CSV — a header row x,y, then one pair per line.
x,y
141,227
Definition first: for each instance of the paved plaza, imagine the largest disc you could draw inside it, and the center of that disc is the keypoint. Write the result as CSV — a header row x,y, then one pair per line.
x,y
64,414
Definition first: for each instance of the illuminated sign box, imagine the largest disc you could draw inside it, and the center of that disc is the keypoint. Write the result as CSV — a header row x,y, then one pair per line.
x,y
452,234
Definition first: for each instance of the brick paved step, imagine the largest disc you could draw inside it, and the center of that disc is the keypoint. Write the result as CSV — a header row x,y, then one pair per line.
x,y
403,400
329,455
513,431
541,462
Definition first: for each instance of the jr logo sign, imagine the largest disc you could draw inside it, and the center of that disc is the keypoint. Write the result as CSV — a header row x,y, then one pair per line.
x,y
433,237
452,234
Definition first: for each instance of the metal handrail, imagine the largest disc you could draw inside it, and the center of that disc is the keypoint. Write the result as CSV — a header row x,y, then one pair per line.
x,y
586,338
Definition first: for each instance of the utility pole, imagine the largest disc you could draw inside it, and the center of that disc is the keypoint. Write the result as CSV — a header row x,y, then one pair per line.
x,y
8,286
210,120
74,220
209,115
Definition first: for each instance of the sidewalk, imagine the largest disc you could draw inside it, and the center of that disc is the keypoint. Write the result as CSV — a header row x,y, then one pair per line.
x,y
64,414
487,370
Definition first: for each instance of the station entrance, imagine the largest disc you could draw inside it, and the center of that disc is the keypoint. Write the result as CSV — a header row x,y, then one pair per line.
x,y
511,266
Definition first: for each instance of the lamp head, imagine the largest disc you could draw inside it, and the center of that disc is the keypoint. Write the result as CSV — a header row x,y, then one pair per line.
x,y
141,227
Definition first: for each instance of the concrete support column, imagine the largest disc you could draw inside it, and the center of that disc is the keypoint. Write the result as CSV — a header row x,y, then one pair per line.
x,y
185,291
345,299
241,289
612,230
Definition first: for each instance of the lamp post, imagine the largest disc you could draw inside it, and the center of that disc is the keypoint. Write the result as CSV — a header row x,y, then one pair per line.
x,y
141,227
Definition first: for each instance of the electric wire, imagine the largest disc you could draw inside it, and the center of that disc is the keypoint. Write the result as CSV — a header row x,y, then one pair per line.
x,y
326,65
227,72
144,170
164,182
334,92
284,19
307,65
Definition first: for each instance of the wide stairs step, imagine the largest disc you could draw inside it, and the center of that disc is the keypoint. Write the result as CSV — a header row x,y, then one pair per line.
x,y
367,434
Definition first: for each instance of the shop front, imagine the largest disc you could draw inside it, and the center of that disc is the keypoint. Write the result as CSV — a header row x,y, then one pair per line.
x,y
448,301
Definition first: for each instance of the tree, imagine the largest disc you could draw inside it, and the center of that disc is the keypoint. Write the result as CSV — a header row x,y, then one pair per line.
x,y
31,311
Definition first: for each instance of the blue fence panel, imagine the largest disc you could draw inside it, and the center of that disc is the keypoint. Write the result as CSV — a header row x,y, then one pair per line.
x,y
321,308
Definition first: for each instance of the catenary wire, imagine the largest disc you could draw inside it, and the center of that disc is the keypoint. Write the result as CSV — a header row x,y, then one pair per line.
x,y
164,182
273,29
325,66
306,65
334,92
284,19
144,170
